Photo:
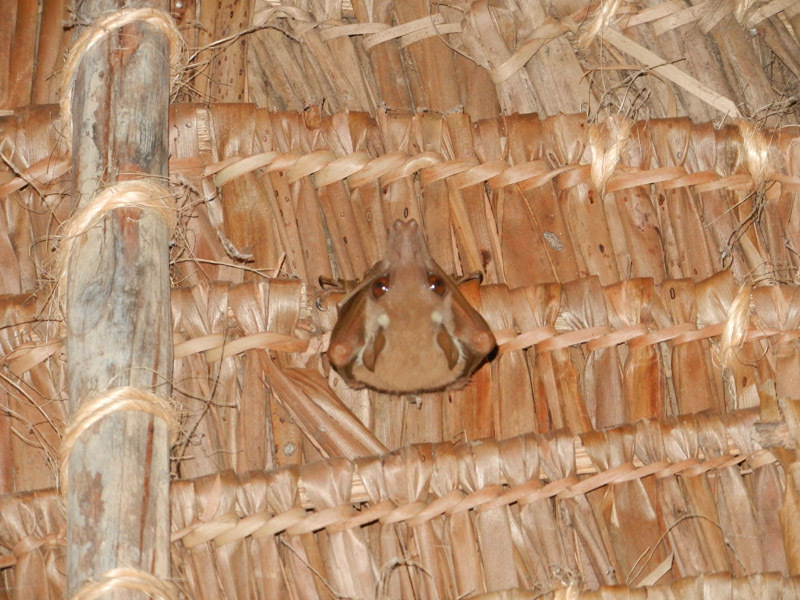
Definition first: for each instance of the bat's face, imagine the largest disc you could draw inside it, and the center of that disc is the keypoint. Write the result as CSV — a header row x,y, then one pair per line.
x,y
406,328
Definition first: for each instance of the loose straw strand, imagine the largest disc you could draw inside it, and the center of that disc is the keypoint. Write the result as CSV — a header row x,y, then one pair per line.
x,y
742,9
99,31
112,401
600,22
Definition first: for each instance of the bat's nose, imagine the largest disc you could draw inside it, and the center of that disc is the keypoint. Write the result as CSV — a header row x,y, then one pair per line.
x,y
405,226
406,240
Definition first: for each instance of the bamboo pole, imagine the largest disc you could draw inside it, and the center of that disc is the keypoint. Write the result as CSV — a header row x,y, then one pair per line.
x,y
117,307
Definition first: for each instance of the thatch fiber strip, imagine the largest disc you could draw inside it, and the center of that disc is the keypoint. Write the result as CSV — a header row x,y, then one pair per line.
x,y
637,268
551,499
640,169
504,57
551,230
661,350
682,199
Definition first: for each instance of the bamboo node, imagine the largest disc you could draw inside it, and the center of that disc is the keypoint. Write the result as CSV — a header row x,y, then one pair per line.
x,y
128,578
98,32
106,403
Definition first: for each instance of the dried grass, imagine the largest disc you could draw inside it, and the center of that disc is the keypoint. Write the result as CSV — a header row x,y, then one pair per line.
x,y
437,518
639,257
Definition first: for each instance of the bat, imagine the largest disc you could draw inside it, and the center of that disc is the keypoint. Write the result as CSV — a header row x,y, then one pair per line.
x,y
406,328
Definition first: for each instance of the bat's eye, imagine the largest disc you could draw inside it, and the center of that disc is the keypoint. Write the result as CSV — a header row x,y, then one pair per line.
x,y
380,286
436,284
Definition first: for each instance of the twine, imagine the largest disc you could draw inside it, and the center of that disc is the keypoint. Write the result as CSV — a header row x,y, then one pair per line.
x,y
112,401
127,578
135,193
358,169
607,142
734,333
98,32
756,152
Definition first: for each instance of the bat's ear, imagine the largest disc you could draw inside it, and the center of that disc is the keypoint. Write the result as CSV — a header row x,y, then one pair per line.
x,y
348,334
